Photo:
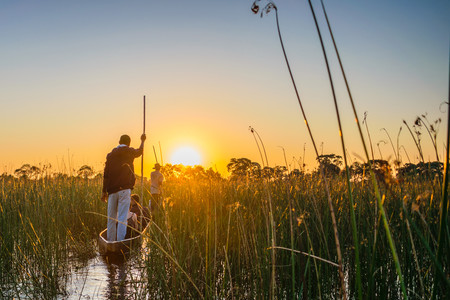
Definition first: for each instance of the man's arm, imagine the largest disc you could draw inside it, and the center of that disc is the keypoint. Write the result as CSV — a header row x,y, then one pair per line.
x,y
105,183
138,152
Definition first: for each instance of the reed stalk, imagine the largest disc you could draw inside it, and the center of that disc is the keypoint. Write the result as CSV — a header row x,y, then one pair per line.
x,y
422,289
416,142
368,134
406,152
291,228
392,144
267,9
379,149
443,222
433,137
315,263
271,218
349,187
375,185
398,163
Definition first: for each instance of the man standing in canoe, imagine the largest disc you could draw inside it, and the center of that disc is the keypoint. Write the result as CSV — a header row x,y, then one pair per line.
x,y
156,179
118,181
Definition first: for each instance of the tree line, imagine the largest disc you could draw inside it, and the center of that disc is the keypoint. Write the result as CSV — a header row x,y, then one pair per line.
x,y
240,168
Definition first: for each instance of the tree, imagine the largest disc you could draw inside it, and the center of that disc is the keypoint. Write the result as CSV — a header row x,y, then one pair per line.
x,y
213,175
171,171
195,172
331,164
85,172
422,170
295,173
28,172
278,172
380,167
243,167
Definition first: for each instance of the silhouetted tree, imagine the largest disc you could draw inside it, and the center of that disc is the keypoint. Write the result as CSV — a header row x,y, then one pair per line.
x,y
296,173
85,172
421,170
331,164
195,172
243,167
170,171
28,172
6,176
267,172
213,175
280,172
380,167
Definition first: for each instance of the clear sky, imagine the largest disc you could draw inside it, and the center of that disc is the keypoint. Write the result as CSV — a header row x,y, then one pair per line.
x,y
73,75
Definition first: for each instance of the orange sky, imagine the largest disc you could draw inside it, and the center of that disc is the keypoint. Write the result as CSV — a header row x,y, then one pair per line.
x,y
74,74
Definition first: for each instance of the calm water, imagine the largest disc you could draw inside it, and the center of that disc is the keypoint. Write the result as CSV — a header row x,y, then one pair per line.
x,y
111,277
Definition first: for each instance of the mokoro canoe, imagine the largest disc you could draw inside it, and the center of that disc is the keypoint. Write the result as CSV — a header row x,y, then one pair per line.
x,y
120,247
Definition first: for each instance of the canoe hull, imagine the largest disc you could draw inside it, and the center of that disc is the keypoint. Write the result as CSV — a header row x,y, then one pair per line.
x,y
122,247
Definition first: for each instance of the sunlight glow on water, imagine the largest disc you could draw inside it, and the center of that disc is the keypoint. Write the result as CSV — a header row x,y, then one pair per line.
x,y
103,279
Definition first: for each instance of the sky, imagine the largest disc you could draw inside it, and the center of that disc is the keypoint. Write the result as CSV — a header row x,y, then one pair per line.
x,y
73,75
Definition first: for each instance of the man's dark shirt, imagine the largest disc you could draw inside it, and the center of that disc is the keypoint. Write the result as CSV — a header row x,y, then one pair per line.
x,y
119,170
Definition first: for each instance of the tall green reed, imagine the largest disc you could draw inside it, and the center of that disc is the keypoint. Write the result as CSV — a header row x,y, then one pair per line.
x,y
444,235
347,171
271,6
44,225
374,182
271,218
416,142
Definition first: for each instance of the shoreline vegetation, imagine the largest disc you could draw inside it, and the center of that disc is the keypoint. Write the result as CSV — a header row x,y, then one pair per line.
x,y
215,236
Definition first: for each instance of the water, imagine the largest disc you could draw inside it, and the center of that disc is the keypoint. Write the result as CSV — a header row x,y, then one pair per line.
x,y
106,277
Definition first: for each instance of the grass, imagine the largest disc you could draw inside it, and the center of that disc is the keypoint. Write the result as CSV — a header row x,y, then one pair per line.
x,y
44,224
270,6
213,238
236,238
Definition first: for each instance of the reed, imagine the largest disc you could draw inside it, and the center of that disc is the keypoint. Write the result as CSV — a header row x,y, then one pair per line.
x,y
272,236
212,238
269,7
432,130
416,141
444,236
347,171
374,182
44,226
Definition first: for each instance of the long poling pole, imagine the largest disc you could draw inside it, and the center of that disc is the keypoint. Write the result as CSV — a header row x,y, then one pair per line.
x,y
141,202
154,152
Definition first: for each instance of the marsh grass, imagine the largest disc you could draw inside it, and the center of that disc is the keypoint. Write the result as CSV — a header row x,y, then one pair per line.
x,y
212,238
44,225
225,249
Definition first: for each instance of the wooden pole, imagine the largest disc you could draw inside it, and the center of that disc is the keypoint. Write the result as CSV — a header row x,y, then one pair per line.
x,y
154,152
141,202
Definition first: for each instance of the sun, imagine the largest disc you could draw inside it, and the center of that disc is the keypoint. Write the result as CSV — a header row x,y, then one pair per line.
x,y
186,156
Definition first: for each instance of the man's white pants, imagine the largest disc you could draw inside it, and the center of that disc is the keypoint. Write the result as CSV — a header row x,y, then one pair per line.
x,y
118,207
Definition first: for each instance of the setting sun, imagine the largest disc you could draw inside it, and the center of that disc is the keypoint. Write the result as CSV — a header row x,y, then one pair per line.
x,y
187,156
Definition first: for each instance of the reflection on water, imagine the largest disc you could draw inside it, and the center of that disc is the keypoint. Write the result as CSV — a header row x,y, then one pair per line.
x,y
89,281
103,277
116,277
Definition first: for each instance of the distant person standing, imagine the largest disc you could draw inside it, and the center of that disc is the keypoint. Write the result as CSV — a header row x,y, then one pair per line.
x,y
156,179
118,181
